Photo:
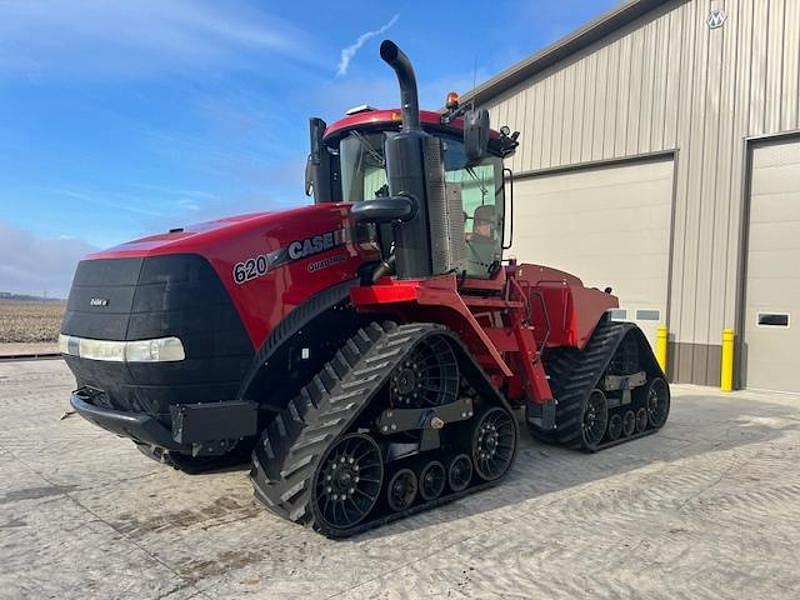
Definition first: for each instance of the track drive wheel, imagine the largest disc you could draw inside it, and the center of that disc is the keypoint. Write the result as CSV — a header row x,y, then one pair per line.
x,y
348,481
494,443
594,420
427,377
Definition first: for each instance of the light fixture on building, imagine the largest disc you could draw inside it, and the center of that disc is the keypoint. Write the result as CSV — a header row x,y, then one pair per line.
x,y
716,18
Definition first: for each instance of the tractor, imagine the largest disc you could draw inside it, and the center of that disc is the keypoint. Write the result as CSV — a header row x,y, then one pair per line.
x,y
372,354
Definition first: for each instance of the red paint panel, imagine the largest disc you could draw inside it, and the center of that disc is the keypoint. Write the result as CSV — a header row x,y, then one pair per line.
x,y
264,301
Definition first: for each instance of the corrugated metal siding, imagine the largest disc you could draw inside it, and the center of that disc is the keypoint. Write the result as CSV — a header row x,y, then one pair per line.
x,y
665,82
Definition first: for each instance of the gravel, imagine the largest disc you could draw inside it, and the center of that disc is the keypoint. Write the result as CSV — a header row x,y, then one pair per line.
x,y
707,508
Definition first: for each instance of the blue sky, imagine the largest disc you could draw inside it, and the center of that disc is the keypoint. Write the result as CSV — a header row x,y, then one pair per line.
x,y
119,119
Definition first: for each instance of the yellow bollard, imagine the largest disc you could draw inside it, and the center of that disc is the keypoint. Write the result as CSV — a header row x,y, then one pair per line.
x,y
726,378
661,347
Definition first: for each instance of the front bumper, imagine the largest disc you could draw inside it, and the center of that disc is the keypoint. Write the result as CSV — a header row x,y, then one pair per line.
x,y
210,428
137,426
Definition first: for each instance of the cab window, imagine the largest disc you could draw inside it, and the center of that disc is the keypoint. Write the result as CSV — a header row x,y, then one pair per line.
x,y
363,167
482,198
478,187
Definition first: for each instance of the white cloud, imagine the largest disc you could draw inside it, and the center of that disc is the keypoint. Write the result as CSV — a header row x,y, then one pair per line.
x,y
349,52
30,264
189,205
80,38
128,203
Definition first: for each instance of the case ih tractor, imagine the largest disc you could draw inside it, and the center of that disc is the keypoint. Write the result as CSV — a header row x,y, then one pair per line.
x,y
369,352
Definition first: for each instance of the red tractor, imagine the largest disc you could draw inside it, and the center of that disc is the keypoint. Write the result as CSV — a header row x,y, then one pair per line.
x,y
369,351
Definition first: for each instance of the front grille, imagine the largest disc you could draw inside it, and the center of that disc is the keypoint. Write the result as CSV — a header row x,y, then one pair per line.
x,y
176,295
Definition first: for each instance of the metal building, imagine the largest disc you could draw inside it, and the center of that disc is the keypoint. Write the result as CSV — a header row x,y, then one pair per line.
x,y
660,155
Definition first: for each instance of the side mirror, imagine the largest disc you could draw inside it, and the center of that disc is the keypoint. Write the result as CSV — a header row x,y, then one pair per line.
x,y
320,169
476,135
311,169
316,129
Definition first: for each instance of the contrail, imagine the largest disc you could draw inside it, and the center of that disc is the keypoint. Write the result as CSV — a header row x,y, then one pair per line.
x,y
349,52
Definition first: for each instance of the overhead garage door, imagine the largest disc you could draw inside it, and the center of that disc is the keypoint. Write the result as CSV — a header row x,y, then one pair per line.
x,y
610,226
772,338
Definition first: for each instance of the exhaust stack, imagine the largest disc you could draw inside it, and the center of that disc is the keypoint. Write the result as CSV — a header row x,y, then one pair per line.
x,y
427,222
397,59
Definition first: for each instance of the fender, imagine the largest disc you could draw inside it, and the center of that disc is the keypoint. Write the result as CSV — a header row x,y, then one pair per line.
x,y
437,300
299,318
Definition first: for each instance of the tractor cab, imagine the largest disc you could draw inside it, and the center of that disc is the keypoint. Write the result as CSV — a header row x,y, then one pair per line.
x,y
348,164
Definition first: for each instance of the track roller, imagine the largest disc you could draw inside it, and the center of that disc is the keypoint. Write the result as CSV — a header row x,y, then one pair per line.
x,y
459,474
641,420
614,427
628,423
432,480
402,490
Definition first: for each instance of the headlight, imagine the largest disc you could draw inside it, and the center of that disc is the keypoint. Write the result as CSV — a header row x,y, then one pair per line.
x,y
162,350
169,349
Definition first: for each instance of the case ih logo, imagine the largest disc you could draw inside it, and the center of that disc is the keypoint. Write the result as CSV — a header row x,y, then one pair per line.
x,y
258,266
314,245
716,18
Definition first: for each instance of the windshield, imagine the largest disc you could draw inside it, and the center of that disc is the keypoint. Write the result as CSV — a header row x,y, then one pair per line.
x,y
480,188
363,166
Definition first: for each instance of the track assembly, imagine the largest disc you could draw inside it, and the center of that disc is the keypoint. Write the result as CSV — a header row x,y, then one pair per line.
x,y
323,461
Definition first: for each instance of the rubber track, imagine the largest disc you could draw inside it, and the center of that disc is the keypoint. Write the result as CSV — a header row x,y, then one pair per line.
x,y
573,376
287,456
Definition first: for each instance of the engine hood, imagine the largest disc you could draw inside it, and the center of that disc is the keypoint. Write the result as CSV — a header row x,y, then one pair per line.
x,y
200,237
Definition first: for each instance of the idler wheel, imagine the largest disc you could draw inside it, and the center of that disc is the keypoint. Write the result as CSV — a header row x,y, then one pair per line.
x,y
657,402
493,443
595,419
348,481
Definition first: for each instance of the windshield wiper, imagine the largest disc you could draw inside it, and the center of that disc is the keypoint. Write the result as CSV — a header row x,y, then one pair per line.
x,y
376,156
484,191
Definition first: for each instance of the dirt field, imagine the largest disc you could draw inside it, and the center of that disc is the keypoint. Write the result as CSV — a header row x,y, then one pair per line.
x,y
28,322
707,508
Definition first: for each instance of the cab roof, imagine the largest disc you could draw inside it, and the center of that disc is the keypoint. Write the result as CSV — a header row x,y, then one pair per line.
x,y
392,117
